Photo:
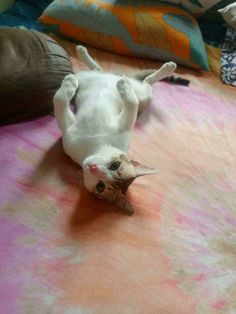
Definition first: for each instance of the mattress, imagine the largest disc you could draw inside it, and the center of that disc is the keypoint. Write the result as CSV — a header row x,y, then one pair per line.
x,y
62,251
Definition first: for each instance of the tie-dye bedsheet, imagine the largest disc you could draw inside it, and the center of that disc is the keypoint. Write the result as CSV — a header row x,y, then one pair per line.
x,y
62,251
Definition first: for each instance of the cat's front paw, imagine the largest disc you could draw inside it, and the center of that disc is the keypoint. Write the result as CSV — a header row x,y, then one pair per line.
x,y
126,90
68,87
70,82
124,85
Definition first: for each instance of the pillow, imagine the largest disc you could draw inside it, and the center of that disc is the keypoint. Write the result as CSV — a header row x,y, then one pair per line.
x,y
229,15
207,9
196,7
146,28
32,68
228,58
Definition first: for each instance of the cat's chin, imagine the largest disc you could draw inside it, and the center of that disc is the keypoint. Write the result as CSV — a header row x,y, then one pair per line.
x,y
91,179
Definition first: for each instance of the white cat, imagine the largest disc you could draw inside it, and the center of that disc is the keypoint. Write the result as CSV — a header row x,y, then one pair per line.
x,y
97,136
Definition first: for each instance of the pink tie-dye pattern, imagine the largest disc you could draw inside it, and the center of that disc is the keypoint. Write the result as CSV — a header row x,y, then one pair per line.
x,y
66,252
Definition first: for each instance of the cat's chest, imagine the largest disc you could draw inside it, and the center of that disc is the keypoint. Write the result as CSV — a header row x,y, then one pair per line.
x,y
97,120
99,100
80,147
97,107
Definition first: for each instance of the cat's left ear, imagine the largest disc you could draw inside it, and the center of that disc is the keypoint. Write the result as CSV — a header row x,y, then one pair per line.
x,y
142,170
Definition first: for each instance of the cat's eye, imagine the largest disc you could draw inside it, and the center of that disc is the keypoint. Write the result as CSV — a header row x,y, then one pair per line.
x,y
115,165
100,187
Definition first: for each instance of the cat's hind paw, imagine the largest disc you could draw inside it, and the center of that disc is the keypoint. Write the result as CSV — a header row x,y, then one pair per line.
x,y
166,70
81,50
169,67
84,56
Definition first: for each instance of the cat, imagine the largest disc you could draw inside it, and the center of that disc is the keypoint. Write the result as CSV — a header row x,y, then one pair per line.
x,y
97,136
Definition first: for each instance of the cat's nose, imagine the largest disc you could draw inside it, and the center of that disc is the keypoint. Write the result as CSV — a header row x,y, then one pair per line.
x,y
93,168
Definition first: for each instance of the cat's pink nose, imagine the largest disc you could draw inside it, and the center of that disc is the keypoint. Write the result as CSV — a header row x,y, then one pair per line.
x,y
93,168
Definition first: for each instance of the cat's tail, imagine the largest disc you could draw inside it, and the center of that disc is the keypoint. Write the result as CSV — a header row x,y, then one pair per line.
x,y
141,75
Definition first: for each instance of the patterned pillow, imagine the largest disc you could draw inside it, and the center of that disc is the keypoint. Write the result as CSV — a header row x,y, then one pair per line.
x,y
228,58
146,28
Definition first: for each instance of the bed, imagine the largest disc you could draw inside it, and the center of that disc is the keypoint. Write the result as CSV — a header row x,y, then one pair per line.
x,y
63,251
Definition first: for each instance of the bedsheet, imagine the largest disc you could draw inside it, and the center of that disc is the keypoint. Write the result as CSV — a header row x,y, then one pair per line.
x,y
62,251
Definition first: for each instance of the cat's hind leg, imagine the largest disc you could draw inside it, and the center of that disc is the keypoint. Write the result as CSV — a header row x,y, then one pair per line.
x,y
64,115
84,56
144,90
166,70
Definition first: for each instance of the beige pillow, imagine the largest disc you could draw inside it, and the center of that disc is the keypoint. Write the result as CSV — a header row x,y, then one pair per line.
x,y
229,14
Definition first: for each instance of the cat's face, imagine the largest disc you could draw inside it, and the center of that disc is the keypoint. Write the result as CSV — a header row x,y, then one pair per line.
x,y
109,178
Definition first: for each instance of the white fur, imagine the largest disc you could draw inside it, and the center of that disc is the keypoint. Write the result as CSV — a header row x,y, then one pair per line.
x,y
107,107
104,119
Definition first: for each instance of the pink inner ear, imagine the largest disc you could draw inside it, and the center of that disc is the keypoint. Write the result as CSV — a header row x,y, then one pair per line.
x,y
142,170
136,163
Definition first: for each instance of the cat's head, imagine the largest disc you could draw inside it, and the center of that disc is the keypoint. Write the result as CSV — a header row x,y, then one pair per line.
x,y
108,177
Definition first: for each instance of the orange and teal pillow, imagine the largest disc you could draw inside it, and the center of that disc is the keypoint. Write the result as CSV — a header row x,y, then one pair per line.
x,y
135,28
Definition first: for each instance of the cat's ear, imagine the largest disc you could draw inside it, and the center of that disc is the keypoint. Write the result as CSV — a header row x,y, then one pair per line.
x,y
122,203
142,170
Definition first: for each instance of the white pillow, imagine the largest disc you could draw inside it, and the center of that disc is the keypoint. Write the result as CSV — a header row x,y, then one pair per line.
x,y
229,14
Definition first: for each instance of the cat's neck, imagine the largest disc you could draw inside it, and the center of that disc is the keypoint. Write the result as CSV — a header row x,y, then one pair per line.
x,y
103,152
108,150
81,147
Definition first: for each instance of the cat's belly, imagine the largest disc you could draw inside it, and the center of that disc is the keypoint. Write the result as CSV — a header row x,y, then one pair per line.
x,y
80,147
